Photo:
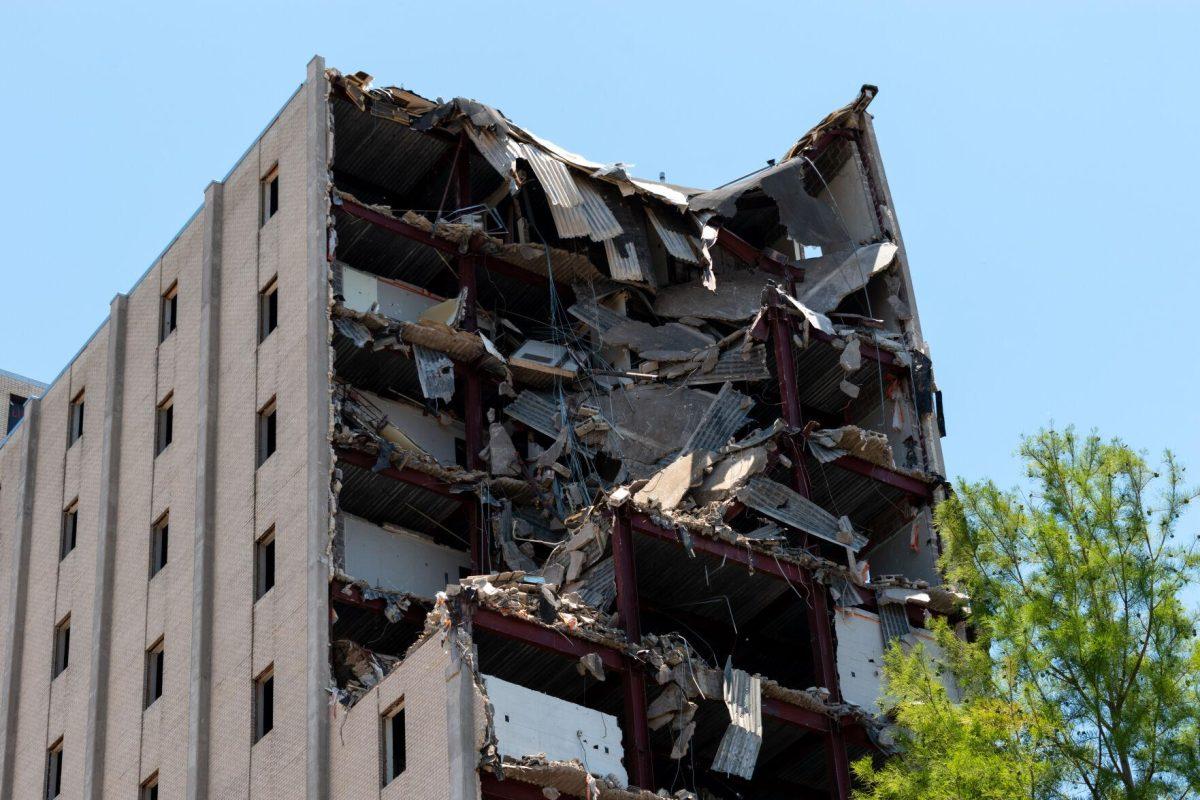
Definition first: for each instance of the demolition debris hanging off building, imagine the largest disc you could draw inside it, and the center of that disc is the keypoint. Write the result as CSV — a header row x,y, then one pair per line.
x,y
536,479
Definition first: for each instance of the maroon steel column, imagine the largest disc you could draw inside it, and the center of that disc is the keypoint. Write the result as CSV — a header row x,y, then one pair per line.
x,y
473,402
789,397
820,633
637,731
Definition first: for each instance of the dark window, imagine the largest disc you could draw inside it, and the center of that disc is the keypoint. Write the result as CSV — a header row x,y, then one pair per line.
x,y
159,540
154,673
266,432
62,647
264,704
394,756
150,788
16,410
75,425
270,194
164,425
169,314
70,530
54,771
264,564
268,310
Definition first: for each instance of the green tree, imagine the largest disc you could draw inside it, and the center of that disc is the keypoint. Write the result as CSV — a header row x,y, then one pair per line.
x,y
1080,633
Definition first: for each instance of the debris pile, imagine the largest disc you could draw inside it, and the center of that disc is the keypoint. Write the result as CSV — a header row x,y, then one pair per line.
x,y
593,384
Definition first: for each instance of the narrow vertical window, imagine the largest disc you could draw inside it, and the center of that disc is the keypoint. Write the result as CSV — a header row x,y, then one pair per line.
x,y
164,424
168,315
264,703
264,564
270,194
62,647
266,432
159,540
16,411
54,770
154,673
394,754
75,423
70,529
150,788
268,309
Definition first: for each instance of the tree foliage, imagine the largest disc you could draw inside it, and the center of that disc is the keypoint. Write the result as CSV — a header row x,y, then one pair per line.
x,y
1081,634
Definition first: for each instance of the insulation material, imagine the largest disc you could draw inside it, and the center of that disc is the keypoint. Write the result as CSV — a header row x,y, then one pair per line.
x,y
830,444
738,751
798,512
436,372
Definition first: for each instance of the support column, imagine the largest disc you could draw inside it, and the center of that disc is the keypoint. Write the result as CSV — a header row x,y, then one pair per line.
x,y
473,405
106,534
10,685
319,410
200,657
637,730
819,624
789,397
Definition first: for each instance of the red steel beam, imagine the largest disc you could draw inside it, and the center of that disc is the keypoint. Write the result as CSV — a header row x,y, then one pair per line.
x,y
545,638
789,397
413,233
744,251
784,570
492,788
406,475
795,715
905,483
637,730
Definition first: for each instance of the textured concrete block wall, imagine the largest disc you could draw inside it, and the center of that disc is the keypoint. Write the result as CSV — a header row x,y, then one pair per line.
x,y
356,751
138,742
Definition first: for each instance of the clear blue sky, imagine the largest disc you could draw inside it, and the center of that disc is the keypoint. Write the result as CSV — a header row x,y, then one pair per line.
x,y
1043,161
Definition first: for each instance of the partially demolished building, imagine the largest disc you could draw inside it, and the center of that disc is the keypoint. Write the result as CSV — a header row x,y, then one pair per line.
x,y
432,460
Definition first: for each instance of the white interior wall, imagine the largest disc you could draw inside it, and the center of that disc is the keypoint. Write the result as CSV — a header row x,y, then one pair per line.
x,y
396,299
425,430
851,200
860,656
400,561
529,722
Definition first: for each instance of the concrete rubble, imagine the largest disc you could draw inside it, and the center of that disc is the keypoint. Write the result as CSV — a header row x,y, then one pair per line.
x,y
630,364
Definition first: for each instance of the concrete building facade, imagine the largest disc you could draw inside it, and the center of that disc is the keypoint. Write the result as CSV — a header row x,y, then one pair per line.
x,y
430,460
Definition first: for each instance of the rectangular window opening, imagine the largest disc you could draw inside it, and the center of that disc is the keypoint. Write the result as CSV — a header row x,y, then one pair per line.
x,y
270,194
70,529
264,564
150,788
164,424
159,540
394,754
16,411
266,432
268,310
62,647
154,673
54,770
168,315
75,424
264,703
